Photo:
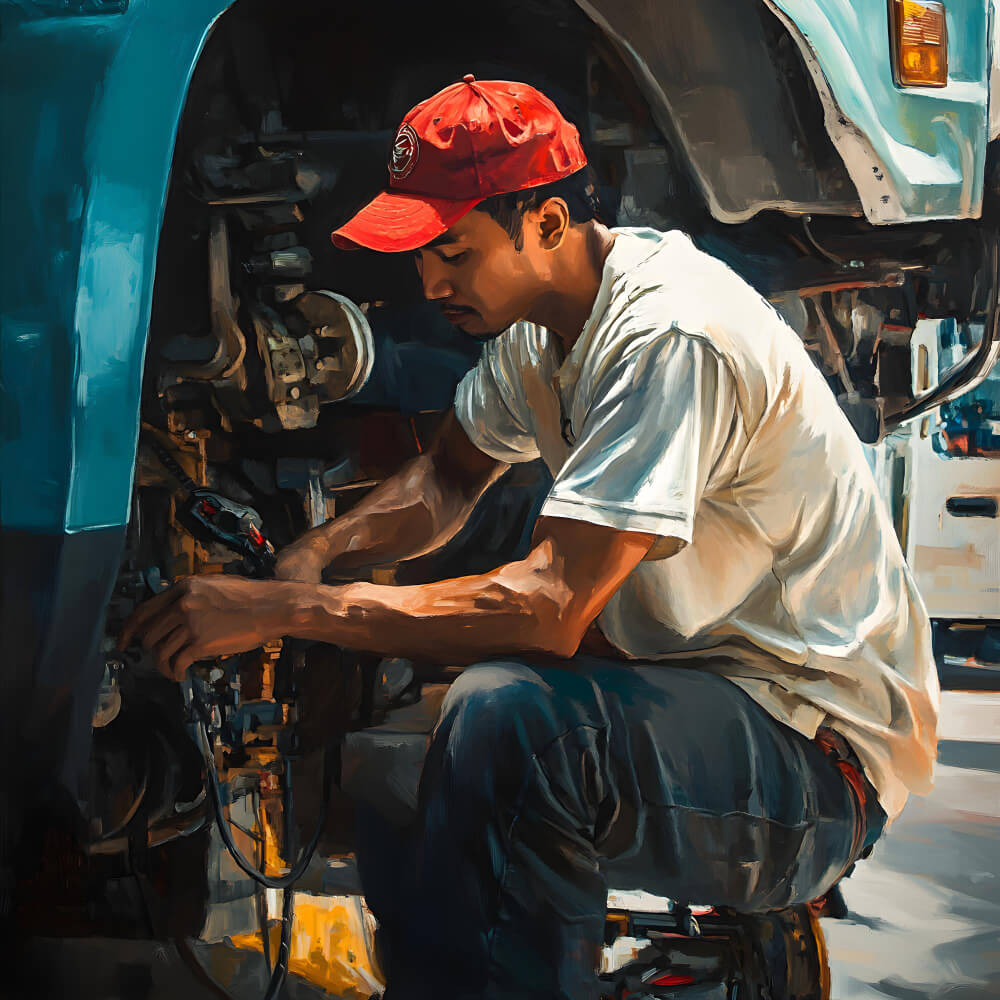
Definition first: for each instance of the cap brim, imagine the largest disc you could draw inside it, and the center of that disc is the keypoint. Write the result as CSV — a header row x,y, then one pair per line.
x,y
397,221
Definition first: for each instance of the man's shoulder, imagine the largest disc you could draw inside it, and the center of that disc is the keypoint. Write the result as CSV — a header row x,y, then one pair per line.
x,y
669,271
664,288
658,256
676,291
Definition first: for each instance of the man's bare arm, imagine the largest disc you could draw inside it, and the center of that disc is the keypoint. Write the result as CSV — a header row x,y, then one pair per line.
x,y
413,512
541,604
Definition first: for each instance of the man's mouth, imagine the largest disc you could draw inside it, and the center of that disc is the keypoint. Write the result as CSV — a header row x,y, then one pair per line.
x,y
455,314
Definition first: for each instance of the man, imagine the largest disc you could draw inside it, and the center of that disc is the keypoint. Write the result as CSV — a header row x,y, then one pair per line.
x,y
767,695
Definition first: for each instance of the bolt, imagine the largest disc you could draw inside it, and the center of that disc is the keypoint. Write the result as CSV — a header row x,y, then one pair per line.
x,y
320,364
191,435
295,392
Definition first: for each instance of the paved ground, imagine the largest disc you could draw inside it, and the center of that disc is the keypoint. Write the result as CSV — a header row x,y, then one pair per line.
x,y
925,908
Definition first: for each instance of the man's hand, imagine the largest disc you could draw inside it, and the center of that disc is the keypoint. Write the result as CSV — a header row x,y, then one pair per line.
x,y
300,562
206,616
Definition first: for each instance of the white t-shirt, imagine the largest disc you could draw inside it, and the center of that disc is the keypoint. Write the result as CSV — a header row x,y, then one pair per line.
x,y
690,410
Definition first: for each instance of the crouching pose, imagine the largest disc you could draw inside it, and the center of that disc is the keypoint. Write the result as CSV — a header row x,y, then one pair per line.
x,y
712,670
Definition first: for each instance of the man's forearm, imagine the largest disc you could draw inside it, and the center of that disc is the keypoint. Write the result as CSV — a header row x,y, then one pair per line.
x,y
415,511
402,518
540,604
515,609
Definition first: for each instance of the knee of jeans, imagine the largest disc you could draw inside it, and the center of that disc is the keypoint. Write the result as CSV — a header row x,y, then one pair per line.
x,y
501,706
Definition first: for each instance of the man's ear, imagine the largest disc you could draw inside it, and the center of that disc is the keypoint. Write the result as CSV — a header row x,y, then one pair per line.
x,y
553,222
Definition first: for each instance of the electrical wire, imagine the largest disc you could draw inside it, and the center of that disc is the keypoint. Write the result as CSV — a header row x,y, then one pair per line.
x,y
285,882
833,258
245,865
284,946
191,960
260,896
170,463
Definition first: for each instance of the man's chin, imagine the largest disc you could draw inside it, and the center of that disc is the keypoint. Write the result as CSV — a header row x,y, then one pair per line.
x,y
476,328
473,325
485,337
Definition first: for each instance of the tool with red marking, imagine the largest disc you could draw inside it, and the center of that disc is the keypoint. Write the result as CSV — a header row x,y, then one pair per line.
x,y
228,522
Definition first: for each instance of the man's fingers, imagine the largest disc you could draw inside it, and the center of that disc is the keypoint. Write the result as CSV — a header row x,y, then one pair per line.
x,y
189,653
155,631
167,649
141,615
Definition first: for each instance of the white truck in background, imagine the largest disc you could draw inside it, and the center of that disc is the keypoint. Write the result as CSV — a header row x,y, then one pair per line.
x,y
940,476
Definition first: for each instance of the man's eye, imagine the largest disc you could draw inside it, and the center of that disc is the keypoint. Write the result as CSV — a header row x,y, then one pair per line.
x,y
455,257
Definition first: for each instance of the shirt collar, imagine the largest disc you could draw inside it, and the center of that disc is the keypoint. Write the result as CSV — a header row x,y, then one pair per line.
x,y
631,247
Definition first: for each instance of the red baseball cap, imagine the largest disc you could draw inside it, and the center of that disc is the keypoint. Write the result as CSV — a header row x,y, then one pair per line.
x,y
474,139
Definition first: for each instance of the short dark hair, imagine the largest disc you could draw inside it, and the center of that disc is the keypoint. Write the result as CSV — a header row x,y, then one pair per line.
x,y
578,190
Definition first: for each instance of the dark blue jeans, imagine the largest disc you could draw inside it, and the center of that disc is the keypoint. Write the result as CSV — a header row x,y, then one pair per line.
x,y
543,783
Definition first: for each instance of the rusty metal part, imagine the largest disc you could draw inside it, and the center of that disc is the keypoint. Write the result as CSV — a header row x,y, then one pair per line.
x,y
338,344
285,371
833,355
892,279
231,346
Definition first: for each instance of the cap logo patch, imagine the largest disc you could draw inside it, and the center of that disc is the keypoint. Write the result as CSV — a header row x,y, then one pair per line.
x,y
405,153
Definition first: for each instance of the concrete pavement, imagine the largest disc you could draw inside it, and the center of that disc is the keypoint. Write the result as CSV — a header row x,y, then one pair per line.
x,y
924,918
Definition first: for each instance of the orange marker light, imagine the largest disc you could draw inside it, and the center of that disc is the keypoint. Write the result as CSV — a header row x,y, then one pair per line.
x,y
919,43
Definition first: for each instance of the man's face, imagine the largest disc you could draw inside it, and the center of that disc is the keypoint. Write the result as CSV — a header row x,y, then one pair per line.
x,y
481,281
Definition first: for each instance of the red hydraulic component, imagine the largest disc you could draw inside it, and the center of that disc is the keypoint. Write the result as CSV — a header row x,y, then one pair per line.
x,y
670,979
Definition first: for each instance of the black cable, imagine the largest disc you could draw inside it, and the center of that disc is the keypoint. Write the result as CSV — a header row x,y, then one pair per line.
x,y
171,464
191,960
288,807
285,882
260,898
284,946
260,903
270,881
277,976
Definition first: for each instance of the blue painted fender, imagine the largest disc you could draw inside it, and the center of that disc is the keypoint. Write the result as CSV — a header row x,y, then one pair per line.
x,y
90,111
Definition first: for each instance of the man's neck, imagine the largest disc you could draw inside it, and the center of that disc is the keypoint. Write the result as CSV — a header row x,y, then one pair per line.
x,y
567,307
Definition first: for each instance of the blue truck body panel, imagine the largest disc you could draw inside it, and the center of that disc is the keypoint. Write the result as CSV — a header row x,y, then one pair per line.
x,y
87,152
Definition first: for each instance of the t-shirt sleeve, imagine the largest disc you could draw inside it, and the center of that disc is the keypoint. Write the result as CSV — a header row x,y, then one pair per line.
x,y
490,406
661,420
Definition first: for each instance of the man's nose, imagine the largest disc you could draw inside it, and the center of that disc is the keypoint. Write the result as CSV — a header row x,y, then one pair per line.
x,y
435,281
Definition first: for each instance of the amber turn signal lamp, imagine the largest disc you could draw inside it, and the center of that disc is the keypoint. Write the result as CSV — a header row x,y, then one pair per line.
x,y
919,43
